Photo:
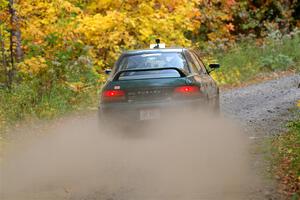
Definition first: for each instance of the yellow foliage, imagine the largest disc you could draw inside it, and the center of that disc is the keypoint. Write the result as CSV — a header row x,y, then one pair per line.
x,y
33,65
112,26
76,86
44,17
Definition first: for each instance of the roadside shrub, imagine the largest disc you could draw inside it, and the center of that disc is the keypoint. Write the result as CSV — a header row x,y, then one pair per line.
x,y
18,102
24,101
250,57
279,62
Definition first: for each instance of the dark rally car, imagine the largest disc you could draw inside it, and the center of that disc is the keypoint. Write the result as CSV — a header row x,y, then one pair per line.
x,y
146,84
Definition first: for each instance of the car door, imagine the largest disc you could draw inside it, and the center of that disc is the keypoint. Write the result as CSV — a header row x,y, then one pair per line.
x,y
196,73
211,84
201,75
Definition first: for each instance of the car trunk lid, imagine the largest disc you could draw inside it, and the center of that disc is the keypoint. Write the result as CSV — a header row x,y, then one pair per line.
x,y
148,89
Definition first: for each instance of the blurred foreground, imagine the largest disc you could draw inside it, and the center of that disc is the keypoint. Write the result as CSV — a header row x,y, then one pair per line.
x,y
184,157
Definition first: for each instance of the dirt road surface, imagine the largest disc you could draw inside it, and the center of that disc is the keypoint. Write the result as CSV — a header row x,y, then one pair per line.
x,y
263,108
194,156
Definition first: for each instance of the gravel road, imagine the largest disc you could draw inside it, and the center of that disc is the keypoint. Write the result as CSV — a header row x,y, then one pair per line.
x,y
262,108
74,161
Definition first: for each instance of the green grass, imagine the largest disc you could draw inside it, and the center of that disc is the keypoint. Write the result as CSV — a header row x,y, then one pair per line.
x,y
286,160
246,59
24,102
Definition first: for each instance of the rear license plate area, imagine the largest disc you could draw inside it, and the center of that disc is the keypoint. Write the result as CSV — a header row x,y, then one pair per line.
x,y
149,114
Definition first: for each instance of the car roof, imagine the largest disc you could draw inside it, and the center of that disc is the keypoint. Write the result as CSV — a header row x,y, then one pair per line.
x,y
162,50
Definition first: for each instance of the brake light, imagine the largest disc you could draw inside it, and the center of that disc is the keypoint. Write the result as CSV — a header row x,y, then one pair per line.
x,y
113,95
187,89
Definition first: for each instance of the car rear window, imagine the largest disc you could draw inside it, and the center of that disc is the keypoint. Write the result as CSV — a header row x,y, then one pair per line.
x,y
152,61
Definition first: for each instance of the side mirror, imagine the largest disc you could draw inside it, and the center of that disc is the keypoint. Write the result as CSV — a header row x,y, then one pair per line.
x,y
107,71
214,66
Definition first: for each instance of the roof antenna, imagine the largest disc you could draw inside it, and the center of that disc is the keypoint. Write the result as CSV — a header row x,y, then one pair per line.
x,y
157,43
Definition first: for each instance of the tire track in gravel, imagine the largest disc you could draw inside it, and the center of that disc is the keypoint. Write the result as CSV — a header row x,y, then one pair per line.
x,y
262,108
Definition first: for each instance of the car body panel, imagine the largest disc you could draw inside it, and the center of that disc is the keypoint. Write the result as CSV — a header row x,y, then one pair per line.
x,y
158,93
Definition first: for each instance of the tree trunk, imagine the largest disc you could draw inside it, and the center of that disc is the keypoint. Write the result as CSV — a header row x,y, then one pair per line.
x,y
16,31
11,71
16,53
3,61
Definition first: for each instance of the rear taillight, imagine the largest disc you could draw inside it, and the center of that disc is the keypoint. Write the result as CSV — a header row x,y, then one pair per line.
x,y
187,89
113,95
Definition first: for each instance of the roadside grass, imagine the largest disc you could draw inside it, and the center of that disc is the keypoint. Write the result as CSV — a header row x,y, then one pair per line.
x,y
285,160
23,102
250,58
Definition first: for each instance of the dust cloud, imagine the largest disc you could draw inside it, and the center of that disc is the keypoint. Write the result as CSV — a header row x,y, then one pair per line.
x,y
189,156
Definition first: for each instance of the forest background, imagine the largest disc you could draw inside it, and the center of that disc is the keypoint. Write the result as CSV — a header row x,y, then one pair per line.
x,y
53,53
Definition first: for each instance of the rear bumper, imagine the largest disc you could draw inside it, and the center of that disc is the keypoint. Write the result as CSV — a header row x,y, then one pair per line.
x,y
130,112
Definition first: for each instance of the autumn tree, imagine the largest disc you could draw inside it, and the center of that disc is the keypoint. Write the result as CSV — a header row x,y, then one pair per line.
x,y
3,36
261,17
216,22
71,41
112,26
9,23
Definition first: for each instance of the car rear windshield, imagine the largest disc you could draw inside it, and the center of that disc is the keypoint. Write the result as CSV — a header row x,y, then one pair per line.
x,y
152,61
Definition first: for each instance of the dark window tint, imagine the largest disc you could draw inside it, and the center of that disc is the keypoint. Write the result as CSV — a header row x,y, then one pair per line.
x,y
152,61
202,66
